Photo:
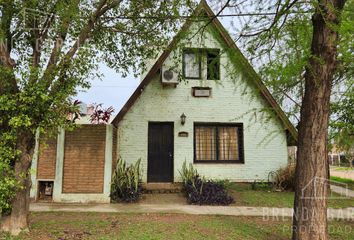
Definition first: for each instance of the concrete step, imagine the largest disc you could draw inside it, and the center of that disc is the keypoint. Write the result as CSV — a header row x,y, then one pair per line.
x,y
162,187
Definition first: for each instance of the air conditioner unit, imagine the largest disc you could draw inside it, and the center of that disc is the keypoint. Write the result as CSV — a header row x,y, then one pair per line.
x,y
168,76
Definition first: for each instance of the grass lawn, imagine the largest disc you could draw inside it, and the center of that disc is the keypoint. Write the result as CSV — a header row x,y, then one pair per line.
x,y
343,168
104,226
349,182
245,196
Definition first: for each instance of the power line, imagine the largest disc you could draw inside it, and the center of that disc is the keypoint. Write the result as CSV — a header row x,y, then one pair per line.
x,y
117,86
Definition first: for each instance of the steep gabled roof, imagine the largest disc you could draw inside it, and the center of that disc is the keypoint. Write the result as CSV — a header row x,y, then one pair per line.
x,y
203,8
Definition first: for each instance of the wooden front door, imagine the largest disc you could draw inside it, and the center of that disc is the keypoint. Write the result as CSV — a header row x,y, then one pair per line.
x,y
160,152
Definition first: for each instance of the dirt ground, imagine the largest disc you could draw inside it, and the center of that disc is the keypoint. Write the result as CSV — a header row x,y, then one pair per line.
x,y
163,198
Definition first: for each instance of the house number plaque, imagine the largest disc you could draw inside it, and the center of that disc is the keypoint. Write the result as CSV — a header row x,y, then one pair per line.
x,y
183,134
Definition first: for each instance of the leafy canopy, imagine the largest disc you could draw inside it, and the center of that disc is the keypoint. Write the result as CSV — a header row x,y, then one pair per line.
x,y
50,48
277,39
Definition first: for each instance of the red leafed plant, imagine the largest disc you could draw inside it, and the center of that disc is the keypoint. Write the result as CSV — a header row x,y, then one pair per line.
x,y
101,115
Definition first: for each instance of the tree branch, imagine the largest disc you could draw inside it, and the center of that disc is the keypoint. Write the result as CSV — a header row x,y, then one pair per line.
x,y
101,9
202,29
280,11
5,50
58,44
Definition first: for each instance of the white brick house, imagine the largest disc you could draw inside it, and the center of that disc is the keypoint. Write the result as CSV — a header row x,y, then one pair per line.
x,y
233,128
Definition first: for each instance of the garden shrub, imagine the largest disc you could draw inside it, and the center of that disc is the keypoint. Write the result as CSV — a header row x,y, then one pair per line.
x,y
126,184
188,173
8,187
261,185
7,192
284,178
200,191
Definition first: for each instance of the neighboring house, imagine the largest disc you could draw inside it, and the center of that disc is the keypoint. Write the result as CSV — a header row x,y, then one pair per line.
x,y
335,155
85,113
338,156
83,116
201,102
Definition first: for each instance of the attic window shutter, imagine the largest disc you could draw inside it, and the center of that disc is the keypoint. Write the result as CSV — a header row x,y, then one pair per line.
x,y
191,64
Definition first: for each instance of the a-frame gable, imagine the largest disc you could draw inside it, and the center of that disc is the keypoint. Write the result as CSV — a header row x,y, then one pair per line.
x,y
203,8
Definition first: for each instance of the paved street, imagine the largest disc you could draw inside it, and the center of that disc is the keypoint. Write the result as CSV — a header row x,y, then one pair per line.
x,y
343,173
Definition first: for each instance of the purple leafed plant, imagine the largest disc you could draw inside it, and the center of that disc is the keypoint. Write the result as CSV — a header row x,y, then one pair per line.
x,y
101,115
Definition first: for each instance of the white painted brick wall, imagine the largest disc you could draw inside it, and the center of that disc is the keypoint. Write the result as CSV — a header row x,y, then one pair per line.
x,y
265,147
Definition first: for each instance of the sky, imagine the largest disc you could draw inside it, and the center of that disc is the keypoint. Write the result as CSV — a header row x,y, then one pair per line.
x,y
113,90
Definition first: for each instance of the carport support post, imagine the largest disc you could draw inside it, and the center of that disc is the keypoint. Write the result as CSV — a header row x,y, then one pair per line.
x,y
58,182
108,161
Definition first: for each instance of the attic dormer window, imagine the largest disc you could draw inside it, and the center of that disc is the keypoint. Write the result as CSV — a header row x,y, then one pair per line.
x,y
192,63
195,58
213,64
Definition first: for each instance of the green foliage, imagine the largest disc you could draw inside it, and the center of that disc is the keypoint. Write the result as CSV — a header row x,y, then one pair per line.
x,y
8,186
348,183
126,180
342,124
8,182
281,50
223,182
260,185
200,191
50,49
188,173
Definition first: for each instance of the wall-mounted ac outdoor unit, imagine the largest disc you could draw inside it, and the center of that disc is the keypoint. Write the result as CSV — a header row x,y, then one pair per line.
x,y
168,76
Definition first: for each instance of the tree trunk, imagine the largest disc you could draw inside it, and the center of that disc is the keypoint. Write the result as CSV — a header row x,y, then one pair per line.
x,y
310,206
18,220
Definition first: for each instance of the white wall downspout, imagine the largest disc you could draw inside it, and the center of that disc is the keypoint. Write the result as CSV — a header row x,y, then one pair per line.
x,y
58,181
34,187
108,161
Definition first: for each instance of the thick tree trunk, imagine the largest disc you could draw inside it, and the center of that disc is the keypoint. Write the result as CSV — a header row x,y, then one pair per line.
x,y
310,206
18,220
